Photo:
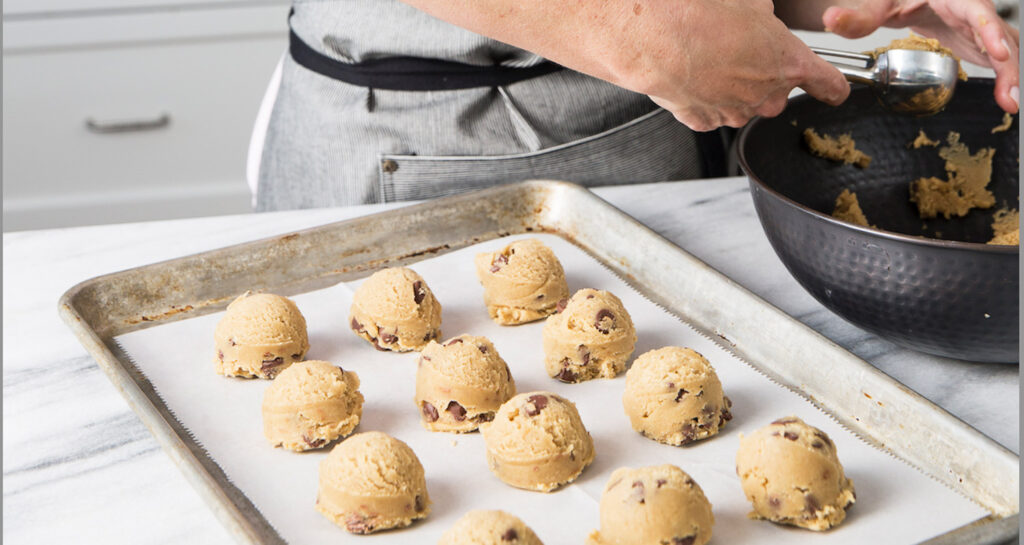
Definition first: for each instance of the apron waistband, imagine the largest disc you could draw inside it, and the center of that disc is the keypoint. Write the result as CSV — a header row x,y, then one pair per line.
x,y
404,73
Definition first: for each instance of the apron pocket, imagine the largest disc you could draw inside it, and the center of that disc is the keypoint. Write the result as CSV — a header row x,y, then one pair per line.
x,y
652,148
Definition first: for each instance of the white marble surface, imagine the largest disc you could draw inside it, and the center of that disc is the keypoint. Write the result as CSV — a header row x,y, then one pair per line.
x,y
79,467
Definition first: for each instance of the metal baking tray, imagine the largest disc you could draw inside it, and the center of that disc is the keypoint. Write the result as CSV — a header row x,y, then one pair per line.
x,y
875,407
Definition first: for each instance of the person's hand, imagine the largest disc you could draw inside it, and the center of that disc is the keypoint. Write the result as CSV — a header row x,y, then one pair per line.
x,y
970,28
725,62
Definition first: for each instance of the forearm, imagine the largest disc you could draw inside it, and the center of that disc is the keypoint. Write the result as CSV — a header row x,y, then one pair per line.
x,y
596,37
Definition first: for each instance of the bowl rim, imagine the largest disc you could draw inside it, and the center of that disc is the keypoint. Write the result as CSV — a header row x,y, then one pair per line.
x,y
741,140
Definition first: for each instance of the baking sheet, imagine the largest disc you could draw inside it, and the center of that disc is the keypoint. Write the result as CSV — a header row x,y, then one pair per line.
x,y
896,503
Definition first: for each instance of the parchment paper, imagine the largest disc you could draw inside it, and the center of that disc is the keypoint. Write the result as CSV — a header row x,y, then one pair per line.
x,y
895,502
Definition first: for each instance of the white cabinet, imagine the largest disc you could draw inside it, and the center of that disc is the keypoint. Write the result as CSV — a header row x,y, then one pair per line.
x,y
126,113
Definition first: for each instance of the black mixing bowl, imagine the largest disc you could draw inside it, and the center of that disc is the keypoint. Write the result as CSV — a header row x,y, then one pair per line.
x,y
930,285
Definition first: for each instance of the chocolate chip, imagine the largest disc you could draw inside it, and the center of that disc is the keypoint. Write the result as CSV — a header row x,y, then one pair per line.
x,y
583,353
419,504
356,326
425,357
561,304
535,404
358,524
484,417
680,394
790,435
429,335
700,393
314,443
572,456
660,483
498,261
726,415
811,504
590,296
671,385
220,355
601,315
482,348
637,493
688,540
689,433
540,296
775,502
388,338
418,293
821,435
708,409
784,421
566,375
457,411
232,341
818,444
270,367
453,341
429,412
296,356
510,535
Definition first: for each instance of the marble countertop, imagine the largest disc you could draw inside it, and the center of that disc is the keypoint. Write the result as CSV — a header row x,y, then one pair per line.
x,y
79,466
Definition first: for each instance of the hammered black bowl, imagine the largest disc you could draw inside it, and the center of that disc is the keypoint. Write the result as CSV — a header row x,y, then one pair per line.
x,y
929,285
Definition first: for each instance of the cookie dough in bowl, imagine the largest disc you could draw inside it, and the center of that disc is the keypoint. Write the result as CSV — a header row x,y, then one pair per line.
x,y
489,528
371,482
653,505
537,442
591,336
791,474
522,282
461,383
394,310
259,336
673,396
311,404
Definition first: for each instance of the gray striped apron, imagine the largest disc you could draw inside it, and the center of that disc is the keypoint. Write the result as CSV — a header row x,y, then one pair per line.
x,y
364,139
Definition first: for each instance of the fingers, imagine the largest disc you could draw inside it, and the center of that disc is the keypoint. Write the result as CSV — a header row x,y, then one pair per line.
x,y
855,23
822,80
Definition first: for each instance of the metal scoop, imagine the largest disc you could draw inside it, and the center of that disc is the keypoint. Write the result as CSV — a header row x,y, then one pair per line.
x,y
904,80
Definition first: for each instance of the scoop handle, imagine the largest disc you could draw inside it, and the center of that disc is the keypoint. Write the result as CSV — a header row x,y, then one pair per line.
x,y
869,73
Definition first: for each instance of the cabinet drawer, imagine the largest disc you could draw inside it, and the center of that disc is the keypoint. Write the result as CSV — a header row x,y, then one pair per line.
x,y
194,105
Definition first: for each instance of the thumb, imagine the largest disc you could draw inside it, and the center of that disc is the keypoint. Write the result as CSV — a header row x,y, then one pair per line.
x,y
823,81
854,23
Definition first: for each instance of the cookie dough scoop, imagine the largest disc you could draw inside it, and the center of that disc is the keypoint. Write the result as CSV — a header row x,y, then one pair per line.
x,y
673,396
461,383
591,336
537,442
659,504
489,528
311,404
371,482
394,310
523,282
259,336
791,474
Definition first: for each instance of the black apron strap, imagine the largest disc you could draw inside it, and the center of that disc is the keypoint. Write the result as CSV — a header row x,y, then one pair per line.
x,y
402,73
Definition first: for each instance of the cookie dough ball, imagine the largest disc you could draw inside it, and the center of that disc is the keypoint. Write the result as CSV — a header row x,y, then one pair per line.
x,y
395,310
659,504
461,383
489,528
673,396
592,337
259,336
311,404
523,282
537,442
791,474
370,482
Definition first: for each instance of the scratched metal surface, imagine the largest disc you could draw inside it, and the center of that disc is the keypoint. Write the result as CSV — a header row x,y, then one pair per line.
x,y
878,409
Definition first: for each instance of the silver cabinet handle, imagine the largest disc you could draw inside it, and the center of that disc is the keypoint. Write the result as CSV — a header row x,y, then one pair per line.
x,y
111,127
